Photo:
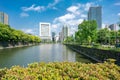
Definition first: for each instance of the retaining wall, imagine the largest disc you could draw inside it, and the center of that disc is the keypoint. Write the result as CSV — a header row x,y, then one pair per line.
x,y
96,54
4,45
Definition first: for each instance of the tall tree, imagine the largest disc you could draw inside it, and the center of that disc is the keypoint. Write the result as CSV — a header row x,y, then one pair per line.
x,y
87,30
103,35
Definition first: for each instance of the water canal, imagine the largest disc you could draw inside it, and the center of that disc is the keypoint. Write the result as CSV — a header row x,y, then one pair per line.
x,y
40,53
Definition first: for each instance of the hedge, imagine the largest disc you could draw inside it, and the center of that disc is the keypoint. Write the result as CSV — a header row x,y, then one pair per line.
x,y
62,71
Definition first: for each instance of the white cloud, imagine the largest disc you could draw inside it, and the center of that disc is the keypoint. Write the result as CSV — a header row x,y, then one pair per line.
x,y
118,14
64,18
29,31
83,16
41,8
33,8
54,26
74,16
73,9
74,13
103,26
87,6
51,5
117,4
74,22
54,8
23,14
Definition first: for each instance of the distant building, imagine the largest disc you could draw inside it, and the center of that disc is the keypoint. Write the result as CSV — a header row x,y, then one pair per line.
x,y
60,36
64,33
95,13
53,36
106,26
56,38
45,31
113,27
3,18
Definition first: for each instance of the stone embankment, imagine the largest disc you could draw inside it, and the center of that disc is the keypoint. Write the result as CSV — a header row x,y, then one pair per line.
x,y
5,45
98,55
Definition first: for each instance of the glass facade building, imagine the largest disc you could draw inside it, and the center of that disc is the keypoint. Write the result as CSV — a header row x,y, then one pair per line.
x,y
3,18
95,13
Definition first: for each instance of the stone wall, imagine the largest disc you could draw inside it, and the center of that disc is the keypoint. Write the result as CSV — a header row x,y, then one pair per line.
x,y
97,54
4,45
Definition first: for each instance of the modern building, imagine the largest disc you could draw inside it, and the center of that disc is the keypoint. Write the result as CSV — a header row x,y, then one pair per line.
x,y
95,13
45,31
56,38
53,36
60,36
64,33
114,27
3,18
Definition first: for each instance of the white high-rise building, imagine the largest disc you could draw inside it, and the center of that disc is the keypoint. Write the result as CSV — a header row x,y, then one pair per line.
x,y
45,31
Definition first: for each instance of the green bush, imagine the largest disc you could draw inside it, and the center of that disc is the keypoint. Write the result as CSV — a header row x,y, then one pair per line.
x,y
2,72
96,45
63,71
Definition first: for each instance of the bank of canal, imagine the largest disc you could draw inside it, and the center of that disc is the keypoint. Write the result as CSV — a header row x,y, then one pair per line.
x,y
40,53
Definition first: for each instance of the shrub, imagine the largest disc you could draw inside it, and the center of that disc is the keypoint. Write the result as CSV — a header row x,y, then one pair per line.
x,y
63,71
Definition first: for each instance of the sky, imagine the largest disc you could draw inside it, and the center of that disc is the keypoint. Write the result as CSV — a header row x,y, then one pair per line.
x,y
25,15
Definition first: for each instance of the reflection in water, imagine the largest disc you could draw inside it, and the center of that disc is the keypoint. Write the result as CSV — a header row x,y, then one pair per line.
x,y
39,53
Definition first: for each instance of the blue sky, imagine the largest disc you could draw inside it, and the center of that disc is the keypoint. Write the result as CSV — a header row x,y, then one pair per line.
x,y
25,15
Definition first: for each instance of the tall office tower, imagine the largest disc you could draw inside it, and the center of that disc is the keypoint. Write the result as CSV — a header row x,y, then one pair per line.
x,y
45,31
65,32
95,13
60,36
3,18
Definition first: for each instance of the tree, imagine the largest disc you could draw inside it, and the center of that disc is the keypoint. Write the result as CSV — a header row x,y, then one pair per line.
x,y
87,30
69,39
89,39
9,34
103,35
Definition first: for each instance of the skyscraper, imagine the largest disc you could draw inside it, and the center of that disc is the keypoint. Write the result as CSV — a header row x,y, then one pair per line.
x,y
3,18
45,31
95,13
65,33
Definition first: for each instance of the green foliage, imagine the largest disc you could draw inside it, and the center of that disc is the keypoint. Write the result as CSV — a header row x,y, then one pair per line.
x,y
111,60
9,34
69,39
2,72
63,71
78,37
89,39
112,37
87,32
103,35
107,36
